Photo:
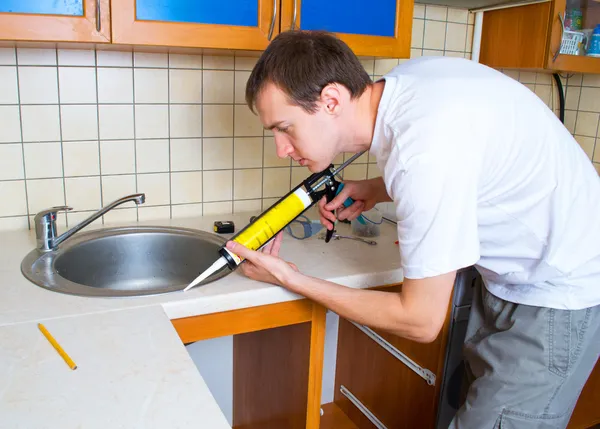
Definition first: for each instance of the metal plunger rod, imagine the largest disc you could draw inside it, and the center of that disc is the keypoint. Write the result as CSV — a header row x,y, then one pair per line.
x,y
337,170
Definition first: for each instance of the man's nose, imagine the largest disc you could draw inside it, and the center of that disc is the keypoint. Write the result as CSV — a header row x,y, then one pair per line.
x,y
283,147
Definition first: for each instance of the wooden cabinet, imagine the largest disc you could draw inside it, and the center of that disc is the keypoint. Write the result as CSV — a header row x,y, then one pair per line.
x,y
56,21
384,30
540,37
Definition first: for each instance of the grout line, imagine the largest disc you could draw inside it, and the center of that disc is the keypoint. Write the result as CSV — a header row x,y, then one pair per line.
x,y
201,127
60,127
135,172
169,142
99,140
22,141
234,138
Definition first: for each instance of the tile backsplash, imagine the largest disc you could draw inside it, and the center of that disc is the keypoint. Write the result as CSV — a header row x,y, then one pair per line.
x,y
84,127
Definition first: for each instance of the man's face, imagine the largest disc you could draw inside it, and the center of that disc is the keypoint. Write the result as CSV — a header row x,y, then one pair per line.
x,y
309,139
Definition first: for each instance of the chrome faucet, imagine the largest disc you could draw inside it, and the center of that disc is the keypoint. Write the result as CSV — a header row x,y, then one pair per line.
x,y
45,222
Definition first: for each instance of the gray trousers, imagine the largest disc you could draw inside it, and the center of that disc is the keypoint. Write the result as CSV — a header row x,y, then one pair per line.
x,y
526,365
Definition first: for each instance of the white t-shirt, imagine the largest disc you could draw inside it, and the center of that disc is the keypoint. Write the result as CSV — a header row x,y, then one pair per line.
x,y
483,173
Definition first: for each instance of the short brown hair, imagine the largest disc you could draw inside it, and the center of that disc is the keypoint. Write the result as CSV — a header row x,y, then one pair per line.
x,y
302,63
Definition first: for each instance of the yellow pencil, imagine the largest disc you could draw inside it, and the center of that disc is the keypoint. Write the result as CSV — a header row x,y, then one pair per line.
x,y
57,346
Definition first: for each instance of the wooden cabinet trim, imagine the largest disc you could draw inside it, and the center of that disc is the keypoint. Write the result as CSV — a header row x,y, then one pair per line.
x,y
128,30
55,28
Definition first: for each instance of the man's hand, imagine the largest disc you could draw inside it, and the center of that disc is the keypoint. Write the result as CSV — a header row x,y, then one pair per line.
x,y
266,266
365,193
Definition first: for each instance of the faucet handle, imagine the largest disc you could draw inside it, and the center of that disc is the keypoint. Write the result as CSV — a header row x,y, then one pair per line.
x,y
50,214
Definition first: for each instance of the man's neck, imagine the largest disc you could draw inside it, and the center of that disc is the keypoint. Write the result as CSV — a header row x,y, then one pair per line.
x,y
365,116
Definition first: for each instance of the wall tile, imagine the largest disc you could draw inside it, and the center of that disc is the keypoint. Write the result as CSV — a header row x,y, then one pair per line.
x,y
587,144
79,122
156,187
247,152
570,119
270,158
14,192
186,121
384,65
247,183
8,85
36,57
186,187
217,153
182,61
8,56
419,11
81,158
246,123
114,59
355,172
115,187
217,86
435,35
241,78
115,85
83,193
186,154
185,86
245,63
11,163
77,85
276,182
590,99
116,122
418,29
225,207
587,124
75,217
45,193
591,80
217,120
38,85
217,62
120,216
458,15
572,97
151,121
186,211
40,123
117,157
247,206
298,175
14,223
152,156
368,64
152,213
10,124
218,185
527,77
544,92
456,37
544,79
373,171
151,85
76,57
43,160
439,13
145,59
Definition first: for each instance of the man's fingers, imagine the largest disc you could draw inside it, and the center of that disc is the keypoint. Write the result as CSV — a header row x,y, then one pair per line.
x,y
339,199
356,207
243,251
276,244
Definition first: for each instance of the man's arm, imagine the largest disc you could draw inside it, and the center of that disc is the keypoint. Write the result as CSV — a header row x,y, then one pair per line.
x,y
417,312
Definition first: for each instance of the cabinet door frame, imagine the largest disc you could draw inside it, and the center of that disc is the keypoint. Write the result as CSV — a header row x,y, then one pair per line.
x,y
572,63
363,45
59,28
127,30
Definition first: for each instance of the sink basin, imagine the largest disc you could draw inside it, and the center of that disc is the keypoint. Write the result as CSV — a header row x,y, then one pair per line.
x,y
128,261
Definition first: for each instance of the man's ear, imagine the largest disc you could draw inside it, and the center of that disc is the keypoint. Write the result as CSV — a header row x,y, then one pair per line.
x,y
332,99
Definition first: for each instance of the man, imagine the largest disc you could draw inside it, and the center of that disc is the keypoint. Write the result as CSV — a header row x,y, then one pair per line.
x,y
481,173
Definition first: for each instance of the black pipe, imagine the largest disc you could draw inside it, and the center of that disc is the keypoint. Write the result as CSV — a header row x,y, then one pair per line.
x,y
561,97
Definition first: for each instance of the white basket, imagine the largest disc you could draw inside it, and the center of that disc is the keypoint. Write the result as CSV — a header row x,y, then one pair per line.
x,y
572,41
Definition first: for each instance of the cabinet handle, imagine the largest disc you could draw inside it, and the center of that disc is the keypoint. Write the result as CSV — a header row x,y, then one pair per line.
x,y
361,407
424,373
273,20
562,30
98,16
295,14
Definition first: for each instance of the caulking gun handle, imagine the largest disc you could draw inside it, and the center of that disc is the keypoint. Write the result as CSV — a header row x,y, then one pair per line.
x,y
349,201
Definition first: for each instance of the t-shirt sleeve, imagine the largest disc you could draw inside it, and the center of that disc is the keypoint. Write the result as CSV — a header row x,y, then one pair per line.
x,y
435,196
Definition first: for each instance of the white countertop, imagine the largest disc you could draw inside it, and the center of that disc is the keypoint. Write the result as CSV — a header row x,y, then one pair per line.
x,y
108,336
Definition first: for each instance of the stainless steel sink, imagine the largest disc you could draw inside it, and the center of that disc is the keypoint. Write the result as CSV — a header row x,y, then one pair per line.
x,y
128,261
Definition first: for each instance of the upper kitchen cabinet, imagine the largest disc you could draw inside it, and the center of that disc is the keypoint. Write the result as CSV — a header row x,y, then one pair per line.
x,y
376,28
229,24
55,20
556,35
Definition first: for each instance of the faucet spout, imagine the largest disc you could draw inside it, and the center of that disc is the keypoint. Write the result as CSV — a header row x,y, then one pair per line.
x,y
46,222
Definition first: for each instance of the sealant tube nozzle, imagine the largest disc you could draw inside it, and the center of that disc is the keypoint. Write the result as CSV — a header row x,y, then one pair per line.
x,y
219,263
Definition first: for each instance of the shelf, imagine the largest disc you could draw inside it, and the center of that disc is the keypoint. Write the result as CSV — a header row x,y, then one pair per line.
x,y
334,418
576,64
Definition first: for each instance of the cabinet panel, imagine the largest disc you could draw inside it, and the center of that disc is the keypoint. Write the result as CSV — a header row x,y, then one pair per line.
x,y
230,24
350,16
383,29
225,12
44,7
55,20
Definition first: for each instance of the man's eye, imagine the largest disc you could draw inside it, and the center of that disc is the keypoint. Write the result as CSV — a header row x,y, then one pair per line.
x,y
282,130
